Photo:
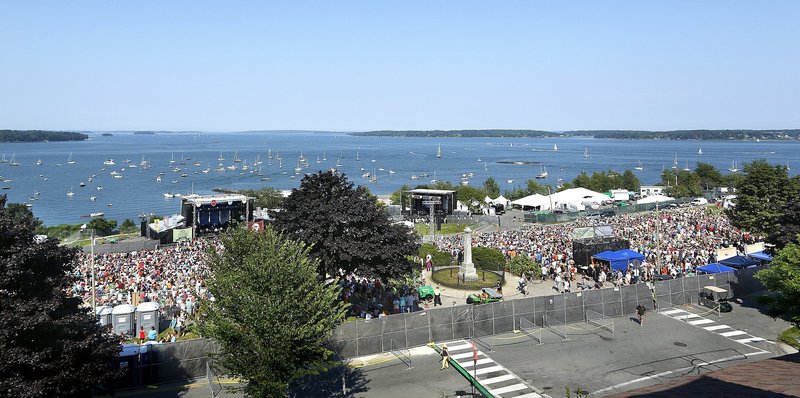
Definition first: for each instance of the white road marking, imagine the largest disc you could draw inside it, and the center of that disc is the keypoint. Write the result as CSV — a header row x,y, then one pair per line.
x,y
490,369
459,347
701,322
513,387
531,395
717,327
469,364
749,340
464,355
497,379
733,333
672,312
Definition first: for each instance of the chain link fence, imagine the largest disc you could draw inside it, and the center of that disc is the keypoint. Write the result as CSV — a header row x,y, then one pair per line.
x,y
366,337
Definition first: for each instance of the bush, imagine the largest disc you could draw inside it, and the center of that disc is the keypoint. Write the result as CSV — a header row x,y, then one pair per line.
x,y
439,259
522,263
486,258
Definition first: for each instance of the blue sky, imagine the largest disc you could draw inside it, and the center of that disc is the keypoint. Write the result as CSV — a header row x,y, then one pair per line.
x,y
360,65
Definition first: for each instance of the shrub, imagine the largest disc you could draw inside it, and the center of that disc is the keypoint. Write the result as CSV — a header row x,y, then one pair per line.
x,y
522,263
486,258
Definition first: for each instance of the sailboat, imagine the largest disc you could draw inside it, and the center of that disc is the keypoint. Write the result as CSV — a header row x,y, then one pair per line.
x,y
172,159
70,193
318,159
555,147
700,151
434,180
686,168
4,160
787,167
357,158
733,168
13,162
675,162
586,153
439,151
543,174
373,159
639,167
69,160
221,157
324,157
236,157
269,154
484,166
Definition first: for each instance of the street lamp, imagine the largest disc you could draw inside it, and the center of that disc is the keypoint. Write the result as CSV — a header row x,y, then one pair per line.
x,y
549,196
94,286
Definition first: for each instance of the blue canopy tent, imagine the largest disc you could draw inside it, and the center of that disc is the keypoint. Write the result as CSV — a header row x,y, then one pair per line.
x,y
715,268
739,262
761,256
620,259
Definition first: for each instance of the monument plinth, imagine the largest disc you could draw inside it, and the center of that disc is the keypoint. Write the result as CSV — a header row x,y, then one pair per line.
x,y
468,273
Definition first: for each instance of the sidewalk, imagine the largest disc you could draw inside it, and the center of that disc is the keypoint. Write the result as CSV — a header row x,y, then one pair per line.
x,y
451,296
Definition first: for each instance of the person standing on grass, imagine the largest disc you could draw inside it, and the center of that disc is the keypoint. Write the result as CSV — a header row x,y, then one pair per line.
x,y
640,310
445,357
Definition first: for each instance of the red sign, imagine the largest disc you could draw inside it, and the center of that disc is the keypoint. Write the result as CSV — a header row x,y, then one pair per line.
x,y
213,202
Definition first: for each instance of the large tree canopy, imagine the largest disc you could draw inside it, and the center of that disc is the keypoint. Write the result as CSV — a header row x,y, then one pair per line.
x,y
50,346
346,228
271,315
761,196
783,279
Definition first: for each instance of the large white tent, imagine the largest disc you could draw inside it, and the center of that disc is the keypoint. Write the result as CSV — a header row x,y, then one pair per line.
x,y
533,201
577,198
501,200
654,199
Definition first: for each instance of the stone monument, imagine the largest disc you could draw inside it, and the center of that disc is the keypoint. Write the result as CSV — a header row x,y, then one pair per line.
x,y
468,273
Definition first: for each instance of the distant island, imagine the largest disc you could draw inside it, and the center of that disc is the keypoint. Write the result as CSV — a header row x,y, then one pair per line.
x,y
107,135
144,132
40,136
788,134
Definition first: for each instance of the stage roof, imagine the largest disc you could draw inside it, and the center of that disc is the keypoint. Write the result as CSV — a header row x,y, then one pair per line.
x,y
431,191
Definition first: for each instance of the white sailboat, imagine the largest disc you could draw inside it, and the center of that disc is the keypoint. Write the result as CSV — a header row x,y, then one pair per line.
x,y
4,160
69,160
221,156
700,151
434,180
324,157
555,147
675,162
236,157
543,174
733,168
70,193
439,151
172,159
686,168
586,153
357,158
639,167
13,161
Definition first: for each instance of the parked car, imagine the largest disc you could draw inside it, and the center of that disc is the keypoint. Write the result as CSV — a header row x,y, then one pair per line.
x,y
487,296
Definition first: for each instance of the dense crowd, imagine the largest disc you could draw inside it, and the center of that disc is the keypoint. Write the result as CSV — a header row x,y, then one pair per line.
x,y
172,276
674,242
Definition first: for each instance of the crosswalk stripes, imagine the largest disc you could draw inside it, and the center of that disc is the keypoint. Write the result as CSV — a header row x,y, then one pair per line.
x,y
710,325
501,382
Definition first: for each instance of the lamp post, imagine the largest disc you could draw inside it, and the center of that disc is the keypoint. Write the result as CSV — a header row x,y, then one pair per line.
x,y
550,196
94,286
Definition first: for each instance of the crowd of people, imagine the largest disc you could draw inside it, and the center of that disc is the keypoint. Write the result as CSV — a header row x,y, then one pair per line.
x,y
172,276
674,242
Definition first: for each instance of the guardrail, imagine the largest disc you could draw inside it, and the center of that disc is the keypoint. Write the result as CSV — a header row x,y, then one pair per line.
x,y
464,373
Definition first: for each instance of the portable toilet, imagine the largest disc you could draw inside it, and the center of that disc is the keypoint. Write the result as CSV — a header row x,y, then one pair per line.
x,y
103,314
147,316
122,319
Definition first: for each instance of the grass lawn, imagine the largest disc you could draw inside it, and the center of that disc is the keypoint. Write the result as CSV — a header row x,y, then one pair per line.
x,y
791,336
424,229
449,278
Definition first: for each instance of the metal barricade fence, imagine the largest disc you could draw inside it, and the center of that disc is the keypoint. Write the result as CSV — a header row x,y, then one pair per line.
x,y
358,338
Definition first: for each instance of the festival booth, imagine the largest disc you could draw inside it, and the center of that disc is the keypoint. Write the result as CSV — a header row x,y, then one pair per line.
x,y
714,268
739,262
761,257
620,259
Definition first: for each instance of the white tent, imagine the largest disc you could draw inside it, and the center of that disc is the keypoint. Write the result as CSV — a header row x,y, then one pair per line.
x,y
501,200
654,199
487,200
535,200
577,198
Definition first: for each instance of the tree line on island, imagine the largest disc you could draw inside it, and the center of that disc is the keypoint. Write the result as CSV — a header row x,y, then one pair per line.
x,y
40,136
277,300
781,134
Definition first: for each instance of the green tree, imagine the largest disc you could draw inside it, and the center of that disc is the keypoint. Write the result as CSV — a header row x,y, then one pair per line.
x,y
709,176
346,228
761,197
533,187
488,258
469,195
522,263
582,180
783,279
491,187
788,230
127,226
629,181
396,196
50,344
102,227
272,315
265,198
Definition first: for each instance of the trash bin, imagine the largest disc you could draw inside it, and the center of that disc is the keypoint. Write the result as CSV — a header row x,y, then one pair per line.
x,y
147,316
103,314
122,319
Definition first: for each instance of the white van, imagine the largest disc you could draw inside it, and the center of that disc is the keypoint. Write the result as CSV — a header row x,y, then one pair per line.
x,y
700,202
